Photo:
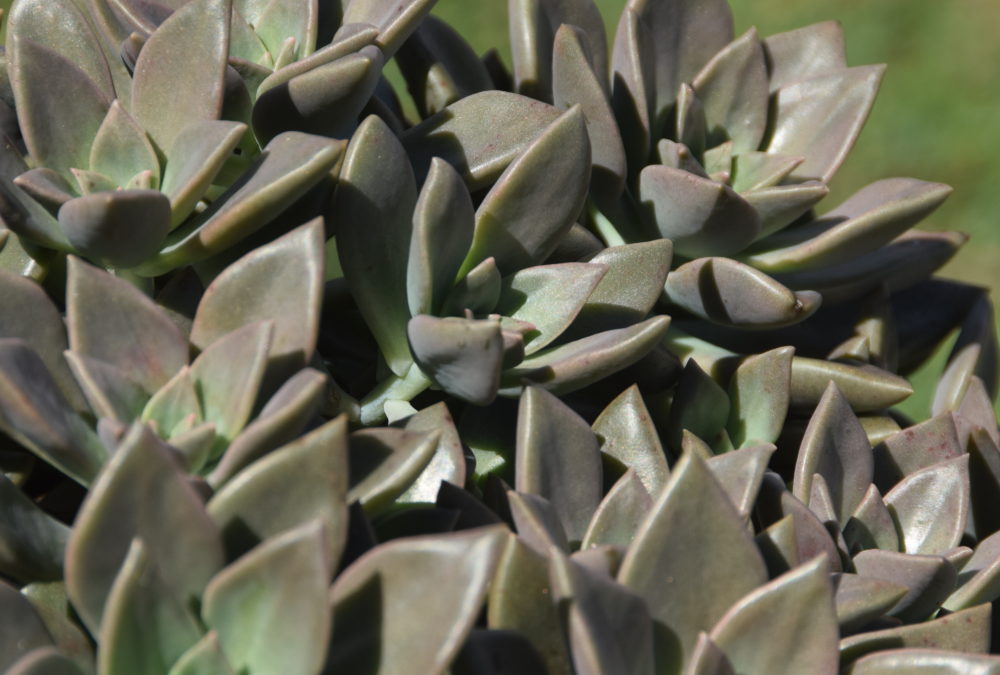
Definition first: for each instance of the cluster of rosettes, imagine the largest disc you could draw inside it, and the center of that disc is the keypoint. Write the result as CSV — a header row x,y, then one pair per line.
x,y
555,369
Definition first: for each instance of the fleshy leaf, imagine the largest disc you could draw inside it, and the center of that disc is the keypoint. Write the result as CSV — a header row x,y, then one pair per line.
x,y
634,86
758,397
385,462
871,525
820,118
29,314
189,48
32,543
194,159
282,282
915,448
395,20
730,293
143,492
619,514
269,607
256,503
146,627
23,628
805,53
558,459
799,634
929,579
627,435
448,463
59,107
281,420
866,388
931,506
325,100
110,391
574,82
916,660
204,658
862,599
463,356
576,364
121,229
740,473
443,223
700,406
288,167
34,412
835,446
480,134
979,580
549,297
375,604
733,89
110,320
121,148
228,375
700,216
175,406
536,522
720,565
870,218
374,203
536,200
628,291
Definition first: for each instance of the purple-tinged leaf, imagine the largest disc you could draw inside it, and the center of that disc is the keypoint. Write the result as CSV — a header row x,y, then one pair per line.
x,y
931,506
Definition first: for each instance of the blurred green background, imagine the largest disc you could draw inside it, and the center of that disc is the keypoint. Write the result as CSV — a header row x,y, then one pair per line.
x,y
937,116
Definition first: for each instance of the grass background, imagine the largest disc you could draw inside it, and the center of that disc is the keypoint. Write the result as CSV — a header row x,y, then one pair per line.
x,y
937,116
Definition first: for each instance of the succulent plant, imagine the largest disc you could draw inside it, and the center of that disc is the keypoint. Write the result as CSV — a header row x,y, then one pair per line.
x,y
584,296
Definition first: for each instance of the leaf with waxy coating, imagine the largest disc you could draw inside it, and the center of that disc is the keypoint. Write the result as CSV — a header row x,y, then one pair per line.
x,y
448,464
325,100
536,522
871,525
282,282
965,631
688,33
121,148
574,82
374,203
618,516
805,53
915,448
204,658
740,473
700,406
143,492
281,420
175,406
463,356
929,579
549,297
869,219
835,446
609,628
110,391
60,109
110,320
779,206
395,20
123,228
754,171
227,377
571,366
862,599
626,433
917,660
720,565
775,502
146,627
288,167
23,628
536,200
269,607
45,661
931,506
29,314
190,47
700,216
733,90
34,413
758,397
385,462
730,293
478,291
376,605
558,459
479,135
283,19
32,543
634,86
866,388
800,633
256,503
820,118
194,159
443,223
979,578
628,290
